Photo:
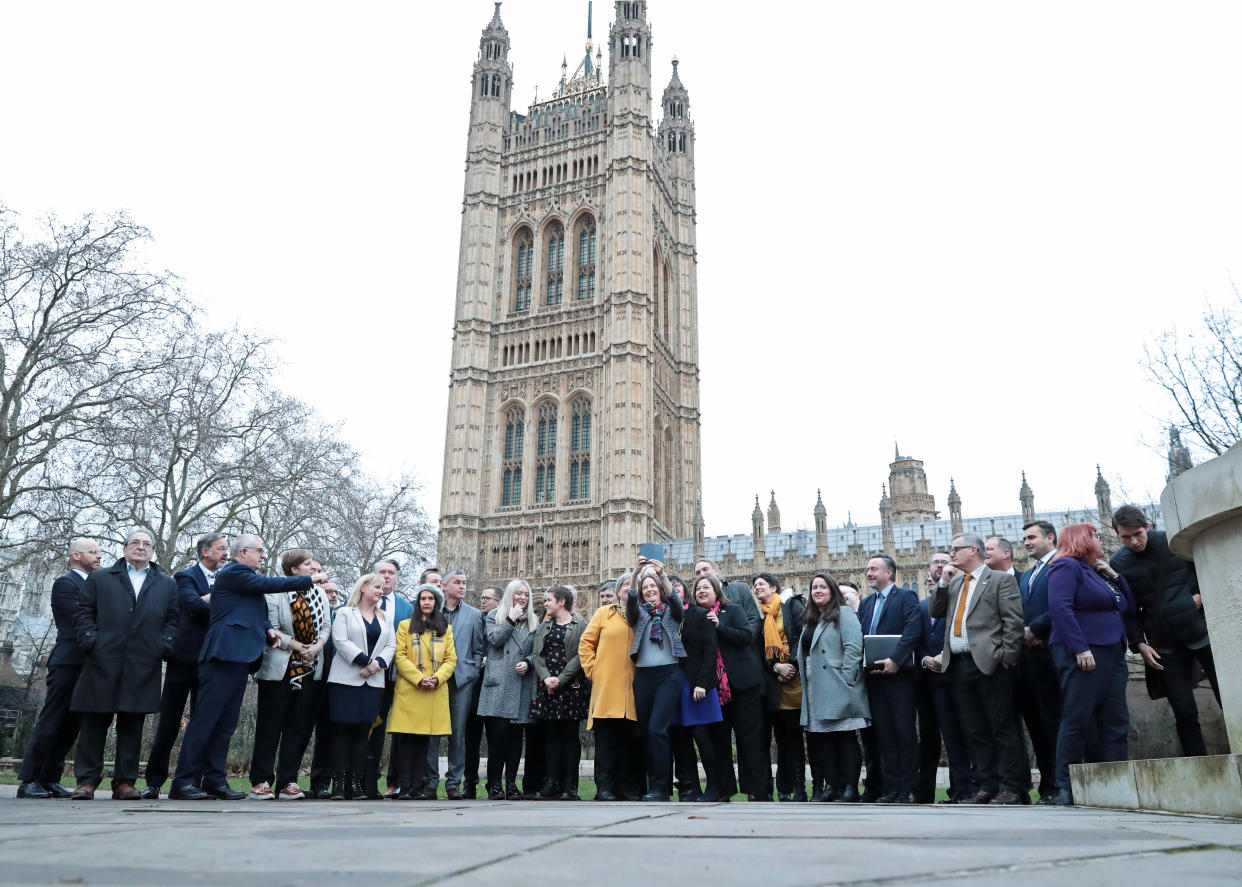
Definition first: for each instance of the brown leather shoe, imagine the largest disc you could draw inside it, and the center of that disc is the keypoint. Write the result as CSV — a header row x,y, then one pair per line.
x,y
392,792
1006,797
452,794
125,791
981,797
83,793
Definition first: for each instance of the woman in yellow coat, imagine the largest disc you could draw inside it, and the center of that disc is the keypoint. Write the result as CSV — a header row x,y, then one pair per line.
x,y
604,652
425,660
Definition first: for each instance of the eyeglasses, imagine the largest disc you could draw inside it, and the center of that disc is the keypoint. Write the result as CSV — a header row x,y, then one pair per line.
x,y
139,543
956,548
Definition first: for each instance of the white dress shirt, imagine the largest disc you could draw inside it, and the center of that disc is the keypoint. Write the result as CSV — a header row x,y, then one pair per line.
x,y
960,643
137,577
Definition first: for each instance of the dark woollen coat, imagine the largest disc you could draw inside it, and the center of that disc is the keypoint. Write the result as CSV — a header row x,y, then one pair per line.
x,y
124,642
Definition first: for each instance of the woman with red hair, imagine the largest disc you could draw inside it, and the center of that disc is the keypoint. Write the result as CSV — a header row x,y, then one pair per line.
x,y
1087,598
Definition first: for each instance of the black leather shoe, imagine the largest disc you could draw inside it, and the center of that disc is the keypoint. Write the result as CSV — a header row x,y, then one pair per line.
x,y
887,798
849,795
570,796
981,797
223,792
1062,798
33,790
189,793
1044,800
151,793
57,790
827,796
690,796
907,798
658,797
1006,798
605,795
714,798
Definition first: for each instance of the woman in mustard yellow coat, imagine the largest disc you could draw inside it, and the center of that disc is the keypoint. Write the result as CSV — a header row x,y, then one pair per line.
x,y
604,652
425,660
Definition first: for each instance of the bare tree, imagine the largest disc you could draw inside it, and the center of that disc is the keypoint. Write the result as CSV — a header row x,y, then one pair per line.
x,y
78,313
1201,372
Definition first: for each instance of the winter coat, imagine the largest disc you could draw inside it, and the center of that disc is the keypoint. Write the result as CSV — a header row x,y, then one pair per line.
x,y
605,655
414,709
505,693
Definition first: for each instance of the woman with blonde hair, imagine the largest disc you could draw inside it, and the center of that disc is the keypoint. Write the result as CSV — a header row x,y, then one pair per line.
x,y
425,658
365,643
656,613
508,687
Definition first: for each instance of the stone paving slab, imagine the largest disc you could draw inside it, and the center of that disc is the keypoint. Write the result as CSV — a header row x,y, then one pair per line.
x,y
393,844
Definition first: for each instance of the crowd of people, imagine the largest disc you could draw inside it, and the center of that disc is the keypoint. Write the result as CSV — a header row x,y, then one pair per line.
x,y
670,675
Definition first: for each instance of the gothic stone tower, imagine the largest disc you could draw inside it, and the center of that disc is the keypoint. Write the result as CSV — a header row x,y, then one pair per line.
x,y
573,418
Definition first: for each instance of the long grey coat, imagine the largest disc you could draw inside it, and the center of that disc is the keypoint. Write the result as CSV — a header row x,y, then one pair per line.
x,y
505,693
832,676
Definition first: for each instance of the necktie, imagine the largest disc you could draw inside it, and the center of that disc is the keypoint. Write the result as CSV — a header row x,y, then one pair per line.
x,y
211,580
960,613
875,616
384,604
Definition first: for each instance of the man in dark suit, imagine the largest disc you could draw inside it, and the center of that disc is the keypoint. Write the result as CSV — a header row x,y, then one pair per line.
x,y
126,623
470,641
399,610
937,712
890,610
235,639
181,672
57,727
1037,688
984,612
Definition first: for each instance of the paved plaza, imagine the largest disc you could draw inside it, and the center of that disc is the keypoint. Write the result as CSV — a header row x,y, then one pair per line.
x,y
392,844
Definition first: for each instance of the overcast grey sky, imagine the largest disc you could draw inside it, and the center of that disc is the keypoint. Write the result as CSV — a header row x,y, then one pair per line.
x,y
952,225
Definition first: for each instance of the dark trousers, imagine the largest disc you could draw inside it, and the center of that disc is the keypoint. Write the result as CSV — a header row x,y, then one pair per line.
x,y
411,759
685,762
1037,693
535,770
349,747
180,684
321,754
837,757
281,725
88,762
562,753
790,757
657,699
205,748
928,758
617,757
957,749
375,746
744,715
892,717
1088,697
874,784
55,731
474,740
1179,668
504,751
986,712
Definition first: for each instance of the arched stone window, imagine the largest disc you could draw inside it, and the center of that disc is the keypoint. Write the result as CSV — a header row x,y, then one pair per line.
x,y
554,249
580,449
545,454
511,471
586,259
523,263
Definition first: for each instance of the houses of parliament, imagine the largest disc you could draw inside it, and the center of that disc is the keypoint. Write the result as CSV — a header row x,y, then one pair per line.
x,y
573,432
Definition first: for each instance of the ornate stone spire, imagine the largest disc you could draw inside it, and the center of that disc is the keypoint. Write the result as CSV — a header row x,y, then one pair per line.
x,y
774,515
955,509
1027,498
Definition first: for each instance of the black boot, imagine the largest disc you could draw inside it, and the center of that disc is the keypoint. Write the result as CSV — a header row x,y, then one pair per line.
x,y
495,792
512,793
550,791
340,787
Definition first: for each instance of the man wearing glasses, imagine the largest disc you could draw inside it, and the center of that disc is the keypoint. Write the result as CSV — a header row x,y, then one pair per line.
x,y
235,640
126,623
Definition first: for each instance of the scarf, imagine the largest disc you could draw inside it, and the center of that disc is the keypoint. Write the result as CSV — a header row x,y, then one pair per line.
x,y
722,679
656,612
307,611
775,643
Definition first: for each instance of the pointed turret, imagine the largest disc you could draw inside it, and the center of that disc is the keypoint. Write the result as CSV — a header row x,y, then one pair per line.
x,y
698,527
774,515
821,531
756,532
1103,498
886,522
1027,498
955,509
1179,455
493,75
676,128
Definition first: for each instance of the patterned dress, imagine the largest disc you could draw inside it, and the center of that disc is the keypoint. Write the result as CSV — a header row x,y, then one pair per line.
x,y
567,703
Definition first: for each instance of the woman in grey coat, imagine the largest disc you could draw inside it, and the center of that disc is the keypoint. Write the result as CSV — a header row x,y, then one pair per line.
x,y
834,696
508,686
